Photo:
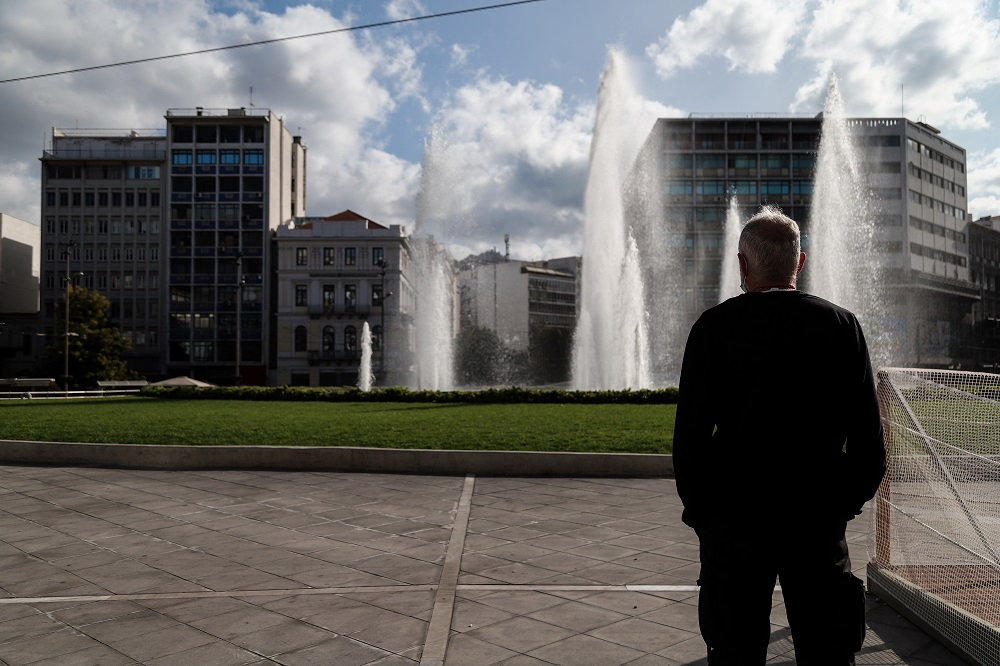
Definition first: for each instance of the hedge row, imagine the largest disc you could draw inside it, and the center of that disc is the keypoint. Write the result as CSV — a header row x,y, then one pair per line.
x,y
510,395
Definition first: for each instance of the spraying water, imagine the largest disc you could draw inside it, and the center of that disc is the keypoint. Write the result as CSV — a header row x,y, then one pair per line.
x,y
365,369
730,285
433,271
611,348
843,266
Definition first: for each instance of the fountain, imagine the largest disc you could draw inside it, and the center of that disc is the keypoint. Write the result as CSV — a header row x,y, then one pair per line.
x,y
611,346
433,272
730,284
840,236
365,369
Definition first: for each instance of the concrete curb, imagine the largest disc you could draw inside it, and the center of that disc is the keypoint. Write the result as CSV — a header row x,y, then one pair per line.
x,y
336,458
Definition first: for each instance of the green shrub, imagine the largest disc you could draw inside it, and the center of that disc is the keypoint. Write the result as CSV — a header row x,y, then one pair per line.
x,y
492,396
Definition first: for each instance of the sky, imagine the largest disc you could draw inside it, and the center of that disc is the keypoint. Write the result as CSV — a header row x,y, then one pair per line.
x,y
485,118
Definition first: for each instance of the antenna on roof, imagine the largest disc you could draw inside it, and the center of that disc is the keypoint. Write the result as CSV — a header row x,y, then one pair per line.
x,y
506,245
251,97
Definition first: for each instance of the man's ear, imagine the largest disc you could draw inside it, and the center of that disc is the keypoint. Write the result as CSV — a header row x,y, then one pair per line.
x,y
743,264
802,262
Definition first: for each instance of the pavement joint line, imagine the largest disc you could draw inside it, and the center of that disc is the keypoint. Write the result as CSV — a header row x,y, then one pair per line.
x,y
293,592
209,594
439,628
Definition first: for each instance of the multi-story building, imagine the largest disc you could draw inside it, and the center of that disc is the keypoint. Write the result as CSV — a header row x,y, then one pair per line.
x,y
234,176
916,177
335,274
512,297
205,192
103,196
984,273
20,243
531,306
20,246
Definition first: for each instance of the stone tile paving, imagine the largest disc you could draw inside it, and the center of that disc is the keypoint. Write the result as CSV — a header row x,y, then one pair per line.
x,y
107,566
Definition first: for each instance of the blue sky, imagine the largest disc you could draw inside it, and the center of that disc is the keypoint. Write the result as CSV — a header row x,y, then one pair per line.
x,y
505,98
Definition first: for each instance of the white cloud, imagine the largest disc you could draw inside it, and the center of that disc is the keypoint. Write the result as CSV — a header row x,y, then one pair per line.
x,y
340,89
984,183
931,57
506,157
752,35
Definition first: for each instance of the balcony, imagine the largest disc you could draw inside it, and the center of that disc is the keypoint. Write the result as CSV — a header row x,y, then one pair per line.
x,y
340,310
328,357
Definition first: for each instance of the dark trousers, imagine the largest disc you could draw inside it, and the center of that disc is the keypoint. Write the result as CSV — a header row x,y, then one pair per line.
x,y
823,602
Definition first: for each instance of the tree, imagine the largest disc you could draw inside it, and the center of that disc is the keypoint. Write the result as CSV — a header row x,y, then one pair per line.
x,y
482,359
95,344
551,351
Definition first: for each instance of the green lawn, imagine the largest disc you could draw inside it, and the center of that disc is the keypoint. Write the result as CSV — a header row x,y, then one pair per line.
x,y
512,427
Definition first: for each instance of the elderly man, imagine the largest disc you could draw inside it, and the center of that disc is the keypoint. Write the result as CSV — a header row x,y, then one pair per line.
x,y
777,444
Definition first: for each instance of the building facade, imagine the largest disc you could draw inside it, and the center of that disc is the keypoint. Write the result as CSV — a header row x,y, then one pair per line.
x,y
335,275
531,306
984,273
102,212
20,273
173,226
689,167
235,175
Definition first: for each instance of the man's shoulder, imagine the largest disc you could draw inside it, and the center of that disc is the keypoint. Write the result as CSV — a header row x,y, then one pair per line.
x,y
789,302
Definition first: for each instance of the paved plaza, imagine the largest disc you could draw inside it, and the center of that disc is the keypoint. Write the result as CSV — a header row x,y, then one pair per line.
x,y
116,566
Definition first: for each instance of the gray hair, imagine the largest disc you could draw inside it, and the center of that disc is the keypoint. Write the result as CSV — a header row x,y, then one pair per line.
x,y
770,241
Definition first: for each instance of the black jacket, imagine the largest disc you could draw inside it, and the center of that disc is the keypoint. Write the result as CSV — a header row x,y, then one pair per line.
x,y
772,387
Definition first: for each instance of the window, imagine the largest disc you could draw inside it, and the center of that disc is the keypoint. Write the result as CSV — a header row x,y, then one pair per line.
x,y
350,339
102,254
301,294
130,199
679,187
350,256
253,156
229,156
116,254
183,133
253,134
301,339
301,256
88,198
710,162
205,133
711,187
142,198
182,157
129,254
329,295
329,337
376,295
144,172
376,338
328,256
229,134
206,157
350,296
378,256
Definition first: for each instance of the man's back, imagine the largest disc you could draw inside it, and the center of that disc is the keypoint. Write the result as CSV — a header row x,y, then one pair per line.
x,y
772,385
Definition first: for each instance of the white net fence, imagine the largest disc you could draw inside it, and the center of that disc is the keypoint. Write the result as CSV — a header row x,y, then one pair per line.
x,y
935,548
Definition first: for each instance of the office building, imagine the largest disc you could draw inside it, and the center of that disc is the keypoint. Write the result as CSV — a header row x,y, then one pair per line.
x,y
984,273
916,177
173,226
531,306
103,196
234,176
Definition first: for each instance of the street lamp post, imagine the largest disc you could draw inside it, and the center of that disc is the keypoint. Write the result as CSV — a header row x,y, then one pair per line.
x,y
66,253
238,256
384,266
